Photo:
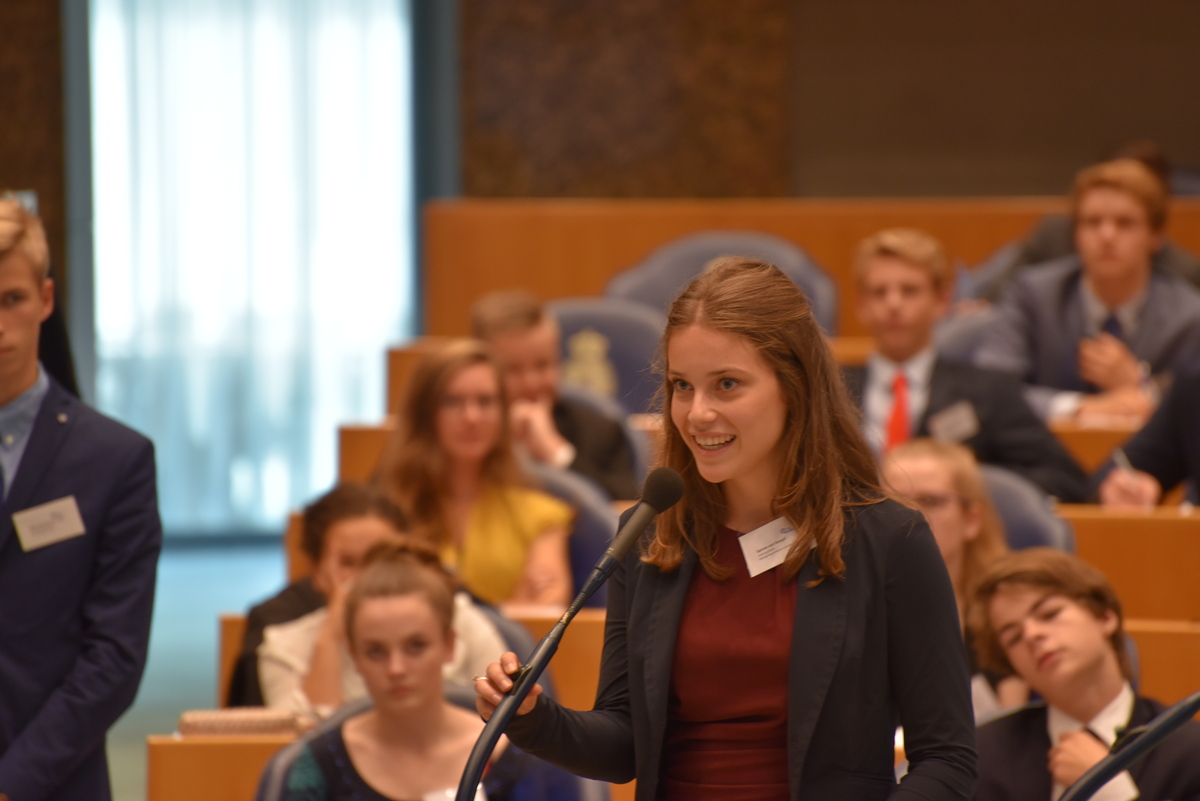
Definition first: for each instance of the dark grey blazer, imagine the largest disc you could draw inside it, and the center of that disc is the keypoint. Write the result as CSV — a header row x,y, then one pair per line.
x,y
881,647
1041,320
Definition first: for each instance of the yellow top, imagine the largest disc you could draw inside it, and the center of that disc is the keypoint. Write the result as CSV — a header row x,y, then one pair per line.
x,y
501,527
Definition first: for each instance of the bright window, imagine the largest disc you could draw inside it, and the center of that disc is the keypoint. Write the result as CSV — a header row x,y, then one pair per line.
x,y
253,237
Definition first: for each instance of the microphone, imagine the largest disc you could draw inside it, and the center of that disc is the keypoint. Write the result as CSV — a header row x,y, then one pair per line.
x,y
1133,744
662,490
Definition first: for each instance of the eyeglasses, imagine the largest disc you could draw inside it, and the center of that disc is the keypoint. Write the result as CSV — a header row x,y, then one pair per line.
x,y
932,502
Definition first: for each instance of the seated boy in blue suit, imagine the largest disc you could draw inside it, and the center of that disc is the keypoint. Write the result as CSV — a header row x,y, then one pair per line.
x,y
79,541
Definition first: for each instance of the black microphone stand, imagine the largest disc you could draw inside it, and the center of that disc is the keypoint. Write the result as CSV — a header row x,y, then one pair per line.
x,y
523,681
1130,746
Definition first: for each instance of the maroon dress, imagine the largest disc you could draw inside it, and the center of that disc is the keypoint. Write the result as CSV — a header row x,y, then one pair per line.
x,y
727,715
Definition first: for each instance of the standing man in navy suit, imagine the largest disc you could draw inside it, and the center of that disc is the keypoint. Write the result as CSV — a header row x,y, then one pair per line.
x,y
79,541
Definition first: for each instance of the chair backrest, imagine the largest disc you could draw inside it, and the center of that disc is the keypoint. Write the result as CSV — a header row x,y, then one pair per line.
x,y
639,443
1026,512
609,347
661,275
958,337
594,526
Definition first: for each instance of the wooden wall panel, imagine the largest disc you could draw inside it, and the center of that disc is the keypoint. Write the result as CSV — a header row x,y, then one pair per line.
x,y
31,97
625,98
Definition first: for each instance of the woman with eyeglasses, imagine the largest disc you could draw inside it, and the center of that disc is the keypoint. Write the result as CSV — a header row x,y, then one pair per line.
x,y
451,467
943,480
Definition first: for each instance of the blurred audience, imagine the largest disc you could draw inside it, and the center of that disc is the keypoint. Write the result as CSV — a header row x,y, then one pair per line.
x,y
1100,332
906,390
1056,622
337,530
943,480
1160,456
412,743
450,465
1054,236
303,663
525,340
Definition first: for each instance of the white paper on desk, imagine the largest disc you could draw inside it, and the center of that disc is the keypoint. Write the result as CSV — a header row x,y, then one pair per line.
x,y
39,526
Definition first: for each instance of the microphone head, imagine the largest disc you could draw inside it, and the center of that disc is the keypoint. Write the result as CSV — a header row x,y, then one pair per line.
x,y
663,489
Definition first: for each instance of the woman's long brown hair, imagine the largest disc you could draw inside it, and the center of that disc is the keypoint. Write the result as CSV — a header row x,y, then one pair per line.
x,y
414,469
827,464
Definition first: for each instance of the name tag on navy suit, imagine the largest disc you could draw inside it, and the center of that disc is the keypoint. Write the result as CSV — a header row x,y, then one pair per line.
x,y
956,423
39,526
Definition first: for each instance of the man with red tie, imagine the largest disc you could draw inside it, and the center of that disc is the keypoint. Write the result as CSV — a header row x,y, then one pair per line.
x,y
907,390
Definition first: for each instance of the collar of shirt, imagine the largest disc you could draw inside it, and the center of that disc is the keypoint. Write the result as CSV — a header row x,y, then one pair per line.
x,y
1129,313
17,416
1105,725
877,393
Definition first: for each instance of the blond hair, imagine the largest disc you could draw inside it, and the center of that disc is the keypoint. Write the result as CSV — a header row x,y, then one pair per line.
x,y
21,233
504,312
969,486
908,244
1126,175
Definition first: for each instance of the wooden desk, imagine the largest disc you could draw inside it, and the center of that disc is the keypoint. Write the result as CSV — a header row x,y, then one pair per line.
x,y
569,247
360,447
204,767
232,632
1168,656
1090,445
1150,557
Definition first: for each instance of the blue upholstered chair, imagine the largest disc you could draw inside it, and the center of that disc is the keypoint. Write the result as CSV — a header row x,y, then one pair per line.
x,y
1026,511
610,346
662,274
595,521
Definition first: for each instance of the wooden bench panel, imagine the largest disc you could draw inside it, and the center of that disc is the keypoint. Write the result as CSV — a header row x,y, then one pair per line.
x,y
1150,557
1169,657
568,247
201,768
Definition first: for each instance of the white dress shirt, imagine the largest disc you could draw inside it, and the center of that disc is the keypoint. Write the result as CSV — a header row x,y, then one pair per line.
x,y
1105,725
877,394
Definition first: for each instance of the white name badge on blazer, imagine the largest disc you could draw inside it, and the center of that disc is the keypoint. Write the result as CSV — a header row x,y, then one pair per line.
x,y
956,423
767,546
39,526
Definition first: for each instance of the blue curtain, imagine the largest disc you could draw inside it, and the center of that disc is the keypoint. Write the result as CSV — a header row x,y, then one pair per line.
x,y
253,237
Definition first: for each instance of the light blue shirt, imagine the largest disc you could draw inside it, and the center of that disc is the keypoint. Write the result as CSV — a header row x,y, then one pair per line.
x,y
16,424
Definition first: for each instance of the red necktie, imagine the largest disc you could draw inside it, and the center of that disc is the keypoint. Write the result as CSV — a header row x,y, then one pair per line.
x,y
898,425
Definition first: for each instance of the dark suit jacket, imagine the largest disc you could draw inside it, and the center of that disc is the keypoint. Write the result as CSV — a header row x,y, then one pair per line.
x,y
1168,447
1012,758
601,449
1040,320
1010,435
881,646
293,601
75,615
